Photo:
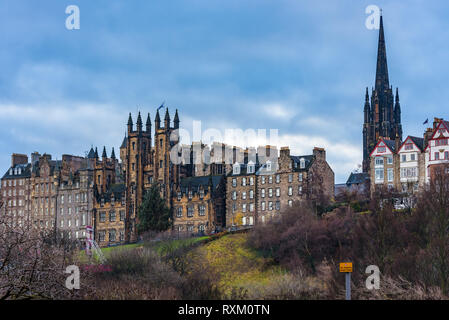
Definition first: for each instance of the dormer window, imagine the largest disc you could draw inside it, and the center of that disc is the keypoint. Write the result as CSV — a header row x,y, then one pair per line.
x,y
251,167
10,172
190,194
302,163
179,195
201,193
268,165
236,169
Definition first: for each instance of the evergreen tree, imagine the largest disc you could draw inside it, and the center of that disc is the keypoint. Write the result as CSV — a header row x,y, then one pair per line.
x,y
153,213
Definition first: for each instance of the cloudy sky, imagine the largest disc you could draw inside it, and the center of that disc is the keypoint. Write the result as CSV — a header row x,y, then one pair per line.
x,y
297,66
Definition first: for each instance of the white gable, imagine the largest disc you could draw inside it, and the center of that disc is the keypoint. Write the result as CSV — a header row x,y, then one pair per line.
x,y
381,150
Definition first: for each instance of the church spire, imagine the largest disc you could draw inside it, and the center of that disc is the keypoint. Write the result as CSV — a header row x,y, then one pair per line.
x,y
382,82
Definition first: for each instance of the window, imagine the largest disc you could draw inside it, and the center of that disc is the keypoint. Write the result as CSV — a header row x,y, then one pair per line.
x,y
270,179
278,192
190,212
278,205
437,156
409,172
270,206
179,212
236,169
244,195
278,178
404,158
251,168
201,228
300,190
290,178
262,205
234,182
190,194
251,194
251,181
102,216
234,195
112,236
409,146
244,207
251,207
390,174
243,181
262,193
268,165
122,236
379,174
270,192
441,142
446,155
112,216
390,160
179,196
201,194
413,157
202,210
83,219
263,179
290,190
381,149
290,203
379,161
300,177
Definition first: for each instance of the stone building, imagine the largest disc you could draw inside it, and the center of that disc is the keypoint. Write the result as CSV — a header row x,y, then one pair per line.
x,y
294,179
15,191
109,215
199,206
258,190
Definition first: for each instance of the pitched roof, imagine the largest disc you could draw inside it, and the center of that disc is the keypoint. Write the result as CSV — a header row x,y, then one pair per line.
x,y
297,160
357,178
123,143
91,154
25,172
419,142
195,182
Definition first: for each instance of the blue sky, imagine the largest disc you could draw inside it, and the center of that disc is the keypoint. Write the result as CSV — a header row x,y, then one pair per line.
x,y
297,66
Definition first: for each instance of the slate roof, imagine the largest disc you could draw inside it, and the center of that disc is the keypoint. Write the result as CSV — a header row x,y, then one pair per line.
x,y
418,141
91,154
117,189
390,144
25,172
194,183
308,161
357,178
123,143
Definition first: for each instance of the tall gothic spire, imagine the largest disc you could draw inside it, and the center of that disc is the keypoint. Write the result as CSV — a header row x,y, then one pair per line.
x,y
382,82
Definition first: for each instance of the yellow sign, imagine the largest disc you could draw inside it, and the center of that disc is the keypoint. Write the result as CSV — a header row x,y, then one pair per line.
x,y
346,267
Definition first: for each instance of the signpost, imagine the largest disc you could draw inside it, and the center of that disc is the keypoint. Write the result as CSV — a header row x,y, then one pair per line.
x,y
346,267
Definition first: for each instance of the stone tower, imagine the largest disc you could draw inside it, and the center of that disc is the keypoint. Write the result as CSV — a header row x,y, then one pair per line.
x,y
382,113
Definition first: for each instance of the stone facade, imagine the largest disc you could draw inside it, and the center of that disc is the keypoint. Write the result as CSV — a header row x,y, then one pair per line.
x,y
256,192
199,206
